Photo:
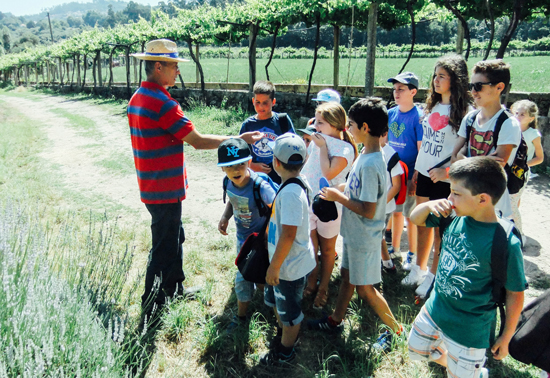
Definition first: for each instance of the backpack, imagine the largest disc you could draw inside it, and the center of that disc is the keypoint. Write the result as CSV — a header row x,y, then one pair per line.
x,y
499,260
253,258
258,178
531,342
283,122
401,196
516,173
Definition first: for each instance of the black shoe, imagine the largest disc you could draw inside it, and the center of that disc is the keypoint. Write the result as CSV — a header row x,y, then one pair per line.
x,y
189,293
391,270
276,358
324,325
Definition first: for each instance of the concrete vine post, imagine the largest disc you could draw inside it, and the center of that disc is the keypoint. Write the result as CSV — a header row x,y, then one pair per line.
x,y
336,61
371,49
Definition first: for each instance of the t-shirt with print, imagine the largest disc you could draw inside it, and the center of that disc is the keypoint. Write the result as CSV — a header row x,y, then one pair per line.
x,y
246,212
312,169
395,171
405,131
291,208
367,182
271,128
438,140
462,294
530,135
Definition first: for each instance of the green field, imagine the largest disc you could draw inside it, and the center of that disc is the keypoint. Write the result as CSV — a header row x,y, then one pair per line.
x,y
529,74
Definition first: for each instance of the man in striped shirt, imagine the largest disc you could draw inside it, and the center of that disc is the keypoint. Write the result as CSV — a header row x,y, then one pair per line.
x,y
158,130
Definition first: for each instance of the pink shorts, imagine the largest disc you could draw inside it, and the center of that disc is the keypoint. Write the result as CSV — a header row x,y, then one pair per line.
x,y
327,230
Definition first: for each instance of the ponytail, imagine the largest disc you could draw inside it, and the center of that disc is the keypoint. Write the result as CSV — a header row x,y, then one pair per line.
x,y
349,138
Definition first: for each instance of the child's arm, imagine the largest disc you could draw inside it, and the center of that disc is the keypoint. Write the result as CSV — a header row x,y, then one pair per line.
x,y
438,207
502,153
288,234
396,187
456,149
260,167
226,216
329,167
539,153
514,305
365,209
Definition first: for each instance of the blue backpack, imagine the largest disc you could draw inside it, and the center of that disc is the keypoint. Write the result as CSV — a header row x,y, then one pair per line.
x,y
258,178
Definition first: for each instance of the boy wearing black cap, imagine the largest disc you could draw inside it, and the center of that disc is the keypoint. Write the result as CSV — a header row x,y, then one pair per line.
x,y
289,246
405,137
234,157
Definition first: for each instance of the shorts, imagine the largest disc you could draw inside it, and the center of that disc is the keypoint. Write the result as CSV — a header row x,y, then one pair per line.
x,y
425,187
287,298
363,264
407,207
327,230
427,343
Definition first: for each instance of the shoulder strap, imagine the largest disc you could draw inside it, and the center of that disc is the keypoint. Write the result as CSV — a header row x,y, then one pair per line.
x,y
256,191
225,183
297,181
500,121
393,162
469,123
283,122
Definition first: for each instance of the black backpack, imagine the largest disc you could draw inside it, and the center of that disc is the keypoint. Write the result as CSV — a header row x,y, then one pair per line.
x,y
499,260
283,122
516,173
531,342
258,178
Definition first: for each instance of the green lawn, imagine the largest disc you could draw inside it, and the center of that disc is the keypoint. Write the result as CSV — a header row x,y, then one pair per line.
x,y
529,74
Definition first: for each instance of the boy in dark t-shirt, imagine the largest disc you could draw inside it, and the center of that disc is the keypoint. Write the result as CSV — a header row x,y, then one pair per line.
x,y
270,124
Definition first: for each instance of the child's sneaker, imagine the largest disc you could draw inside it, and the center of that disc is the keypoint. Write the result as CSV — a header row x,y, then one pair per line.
x,y
409,262
389,269
325,325
422,290
393,255
274,357
415,277
484,373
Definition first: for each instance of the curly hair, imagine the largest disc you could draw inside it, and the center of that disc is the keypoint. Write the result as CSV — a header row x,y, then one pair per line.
x,y
461,98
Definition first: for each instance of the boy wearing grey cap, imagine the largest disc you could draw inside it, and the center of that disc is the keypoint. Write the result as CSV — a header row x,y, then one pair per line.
x,y
289,246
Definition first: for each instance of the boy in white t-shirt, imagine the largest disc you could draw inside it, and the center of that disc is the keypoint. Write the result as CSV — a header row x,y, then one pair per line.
x,y
490,78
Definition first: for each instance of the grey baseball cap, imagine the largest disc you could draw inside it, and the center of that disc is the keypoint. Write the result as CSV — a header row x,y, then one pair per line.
x,y
308,130
287,146
405,78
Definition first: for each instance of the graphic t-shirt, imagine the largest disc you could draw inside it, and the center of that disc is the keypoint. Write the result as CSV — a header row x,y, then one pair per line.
x,y
312,169
271,128
395,171
530,135
461,302
245,211
367,182
291,208
438,140
405,131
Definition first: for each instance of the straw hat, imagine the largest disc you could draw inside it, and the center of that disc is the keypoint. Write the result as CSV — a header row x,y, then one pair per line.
x,y
160,50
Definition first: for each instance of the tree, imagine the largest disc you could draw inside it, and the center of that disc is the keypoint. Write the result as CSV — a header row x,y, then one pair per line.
x,y
110,21
134,11
92,18
74,22
6,39
31,24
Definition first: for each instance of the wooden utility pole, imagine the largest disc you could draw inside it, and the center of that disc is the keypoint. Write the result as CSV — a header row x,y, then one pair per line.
x,y
371,49
49,22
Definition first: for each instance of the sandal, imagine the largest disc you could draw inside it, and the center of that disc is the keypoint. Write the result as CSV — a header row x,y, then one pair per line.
x,y
308,292
320,299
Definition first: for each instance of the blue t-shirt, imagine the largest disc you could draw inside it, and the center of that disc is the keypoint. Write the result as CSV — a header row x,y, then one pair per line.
x,y
246,213
271,128
405,131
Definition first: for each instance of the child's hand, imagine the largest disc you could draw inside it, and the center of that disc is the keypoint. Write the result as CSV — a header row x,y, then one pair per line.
x,y
272,276
438,174
331,194
500,348
442,207
260,167
319,140
222,226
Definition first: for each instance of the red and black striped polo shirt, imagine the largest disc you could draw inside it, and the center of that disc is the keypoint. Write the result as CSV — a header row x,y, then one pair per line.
x,y
157,127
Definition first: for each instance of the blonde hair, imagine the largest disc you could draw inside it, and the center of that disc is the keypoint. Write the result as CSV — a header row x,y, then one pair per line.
x,y
531,109
335,115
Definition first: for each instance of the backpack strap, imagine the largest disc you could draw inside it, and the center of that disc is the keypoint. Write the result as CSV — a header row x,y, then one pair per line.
x,y
256,192
500,121
469,123
283,122
393,162
297,181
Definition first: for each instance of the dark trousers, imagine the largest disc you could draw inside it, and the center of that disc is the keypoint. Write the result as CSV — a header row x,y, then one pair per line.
x,y
165,258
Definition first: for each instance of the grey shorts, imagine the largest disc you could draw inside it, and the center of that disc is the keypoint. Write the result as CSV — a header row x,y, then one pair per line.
x,y
363,264
407,207
287,298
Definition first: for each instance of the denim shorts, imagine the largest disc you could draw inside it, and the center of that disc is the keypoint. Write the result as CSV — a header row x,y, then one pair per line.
x,y
287,297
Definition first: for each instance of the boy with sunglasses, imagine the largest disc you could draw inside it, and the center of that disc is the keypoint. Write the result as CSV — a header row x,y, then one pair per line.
x,y
477,136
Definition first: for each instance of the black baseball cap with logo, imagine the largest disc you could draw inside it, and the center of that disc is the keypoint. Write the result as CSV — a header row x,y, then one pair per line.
x,y
233,151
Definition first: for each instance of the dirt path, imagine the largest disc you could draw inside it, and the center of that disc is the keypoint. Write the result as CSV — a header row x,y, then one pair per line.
x,y
78,155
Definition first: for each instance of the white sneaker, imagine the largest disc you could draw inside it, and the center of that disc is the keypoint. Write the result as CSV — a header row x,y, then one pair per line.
x,y
422,290
394,255
415,277
484,373
409,262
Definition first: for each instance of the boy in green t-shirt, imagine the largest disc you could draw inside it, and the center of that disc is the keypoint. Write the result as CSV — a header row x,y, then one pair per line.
x,y
454,326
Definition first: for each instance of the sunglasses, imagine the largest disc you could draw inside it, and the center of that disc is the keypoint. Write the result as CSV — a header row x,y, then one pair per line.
x,y
477,86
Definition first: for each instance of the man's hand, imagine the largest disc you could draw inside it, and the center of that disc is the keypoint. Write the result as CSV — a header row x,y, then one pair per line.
x,y
500,348
438,174
222,225
260,167
272,276
331,194
442,207
251,137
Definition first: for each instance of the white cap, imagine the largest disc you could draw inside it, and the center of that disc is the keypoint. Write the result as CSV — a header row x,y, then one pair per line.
x,y
328,95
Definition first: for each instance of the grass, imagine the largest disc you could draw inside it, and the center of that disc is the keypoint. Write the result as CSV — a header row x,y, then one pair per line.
x,y
87,243
529,74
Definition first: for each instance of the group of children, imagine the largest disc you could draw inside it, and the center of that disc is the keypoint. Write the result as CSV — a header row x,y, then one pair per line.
x,y
301,247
